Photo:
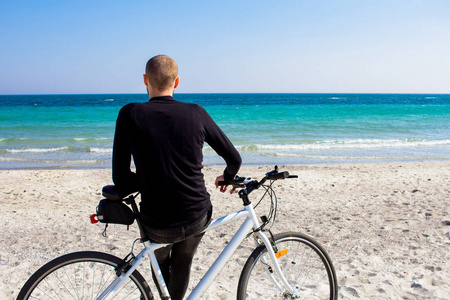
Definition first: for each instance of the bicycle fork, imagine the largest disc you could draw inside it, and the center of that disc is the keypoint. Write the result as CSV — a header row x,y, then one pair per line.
x,y
272,252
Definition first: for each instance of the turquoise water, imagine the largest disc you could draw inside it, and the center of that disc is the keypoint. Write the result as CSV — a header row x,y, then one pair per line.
x,y
51,131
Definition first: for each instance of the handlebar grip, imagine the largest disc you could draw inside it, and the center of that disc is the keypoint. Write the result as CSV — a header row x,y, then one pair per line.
x,y
237,181
225,183
276,176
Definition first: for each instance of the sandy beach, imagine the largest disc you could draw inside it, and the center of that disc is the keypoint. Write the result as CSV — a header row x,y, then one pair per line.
x,y
386,226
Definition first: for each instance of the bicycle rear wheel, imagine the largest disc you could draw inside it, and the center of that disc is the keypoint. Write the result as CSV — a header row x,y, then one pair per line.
x,y
304,263
82,275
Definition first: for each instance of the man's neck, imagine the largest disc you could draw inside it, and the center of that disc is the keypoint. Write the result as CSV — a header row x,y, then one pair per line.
x,y
155,93
160,97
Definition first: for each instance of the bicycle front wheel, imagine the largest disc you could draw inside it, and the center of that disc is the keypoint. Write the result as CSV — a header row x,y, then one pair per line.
x,y
82,275
304,263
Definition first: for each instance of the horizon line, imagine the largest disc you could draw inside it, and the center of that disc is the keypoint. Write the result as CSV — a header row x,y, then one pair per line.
x,y
240,93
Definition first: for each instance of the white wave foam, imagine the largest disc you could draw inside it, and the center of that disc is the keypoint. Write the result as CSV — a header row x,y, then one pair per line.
x,y
12,159
345,144
83,162
46,150
46,161
87,139
36,150
101,150
20,139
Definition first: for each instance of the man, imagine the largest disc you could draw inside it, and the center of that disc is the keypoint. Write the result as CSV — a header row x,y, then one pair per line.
x,y
165,138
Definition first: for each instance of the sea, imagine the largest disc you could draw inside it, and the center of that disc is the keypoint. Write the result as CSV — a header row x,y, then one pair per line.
x,y
76,131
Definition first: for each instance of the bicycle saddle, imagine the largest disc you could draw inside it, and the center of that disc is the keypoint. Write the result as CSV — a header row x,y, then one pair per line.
x,y
110,192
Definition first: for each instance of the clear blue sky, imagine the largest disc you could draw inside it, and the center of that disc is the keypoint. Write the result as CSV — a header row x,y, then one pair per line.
x,y
282,46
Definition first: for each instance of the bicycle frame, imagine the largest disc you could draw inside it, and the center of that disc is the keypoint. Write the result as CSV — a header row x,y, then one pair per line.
x,y
250,222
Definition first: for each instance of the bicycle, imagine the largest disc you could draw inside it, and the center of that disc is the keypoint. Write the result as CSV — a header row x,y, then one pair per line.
x,y
289,265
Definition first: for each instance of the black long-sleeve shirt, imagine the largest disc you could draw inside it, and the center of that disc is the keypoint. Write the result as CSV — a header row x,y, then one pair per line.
x,y
165,137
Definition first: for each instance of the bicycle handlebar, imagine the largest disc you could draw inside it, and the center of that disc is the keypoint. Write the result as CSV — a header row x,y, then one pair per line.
x,y
276,176
248,185
246,182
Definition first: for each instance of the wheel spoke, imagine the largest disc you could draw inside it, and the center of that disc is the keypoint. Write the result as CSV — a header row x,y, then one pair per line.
x,y
82,275
305,266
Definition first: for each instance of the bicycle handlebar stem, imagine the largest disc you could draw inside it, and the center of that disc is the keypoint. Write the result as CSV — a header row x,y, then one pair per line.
x,y
253,185
243,194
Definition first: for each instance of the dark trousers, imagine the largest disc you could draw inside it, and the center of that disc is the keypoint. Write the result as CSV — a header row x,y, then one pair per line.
x,y
175,260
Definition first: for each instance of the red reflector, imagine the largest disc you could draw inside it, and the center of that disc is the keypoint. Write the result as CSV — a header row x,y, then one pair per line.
x,y
94,219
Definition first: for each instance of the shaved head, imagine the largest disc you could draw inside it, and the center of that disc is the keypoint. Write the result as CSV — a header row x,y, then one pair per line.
x,y
161,72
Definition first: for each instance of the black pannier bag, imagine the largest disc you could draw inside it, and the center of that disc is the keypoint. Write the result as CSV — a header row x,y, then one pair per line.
x,y
112,209
115,212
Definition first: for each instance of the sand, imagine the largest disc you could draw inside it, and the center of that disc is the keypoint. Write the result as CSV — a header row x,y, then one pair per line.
x,y
386,226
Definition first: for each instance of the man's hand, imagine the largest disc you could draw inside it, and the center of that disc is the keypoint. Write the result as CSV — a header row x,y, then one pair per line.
x,y
223,188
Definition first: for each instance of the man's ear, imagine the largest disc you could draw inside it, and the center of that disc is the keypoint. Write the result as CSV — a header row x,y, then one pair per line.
x,y
177,81
146,80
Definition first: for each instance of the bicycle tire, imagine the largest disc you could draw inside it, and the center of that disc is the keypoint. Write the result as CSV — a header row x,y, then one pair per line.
x,y
82,275
306,266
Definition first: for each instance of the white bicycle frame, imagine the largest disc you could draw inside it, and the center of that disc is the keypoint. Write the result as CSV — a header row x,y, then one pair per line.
x,y
251,222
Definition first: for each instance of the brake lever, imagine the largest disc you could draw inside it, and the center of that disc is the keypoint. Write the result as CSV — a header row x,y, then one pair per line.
x,y
274,171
